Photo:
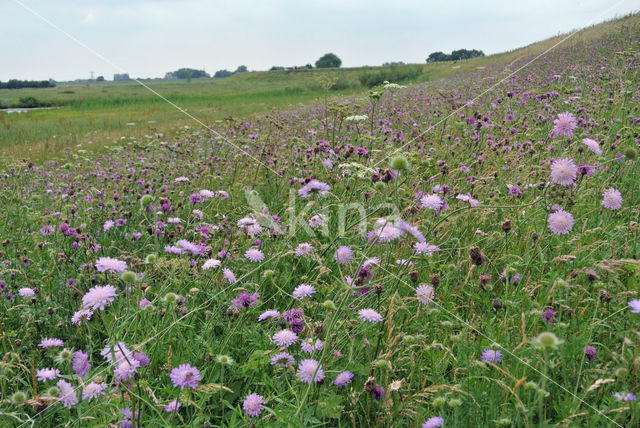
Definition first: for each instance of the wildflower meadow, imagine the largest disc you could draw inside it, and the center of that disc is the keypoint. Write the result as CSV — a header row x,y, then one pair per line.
x,y
458,253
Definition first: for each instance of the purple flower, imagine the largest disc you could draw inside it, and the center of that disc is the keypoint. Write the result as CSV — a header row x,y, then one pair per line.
x,y
560,222
93,390
50,343
185,375
282,359
313,186
378,393
254,255
67,394
107,264
304,249
245,299
564,172
302,291
635,306
549,315
99,297
46,374
564,125
491,356
433,422
172,406
612,199
343,255
369,315
310,371
80,363
268,314
590,353
285,338
343,378
253,404
424,293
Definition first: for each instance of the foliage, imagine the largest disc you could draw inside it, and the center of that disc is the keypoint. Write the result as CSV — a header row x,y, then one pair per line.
x,y
18,84
455,55
328,60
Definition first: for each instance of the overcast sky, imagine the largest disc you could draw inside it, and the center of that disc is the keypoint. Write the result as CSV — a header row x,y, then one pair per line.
x,y
147,38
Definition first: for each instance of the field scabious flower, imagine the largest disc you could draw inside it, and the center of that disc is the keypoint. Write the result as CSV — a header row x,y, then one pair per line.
x,y
432,202
612,199
282,359
310,371
564,172
50,343
172,406
302,291
343,255
81,315
268,314
313,186
93,390
68,394
624,396
108,264
564,125
369,315
26,292
80,363
245,300
210,264
433,422
185,375
46,374
254,255
635,306
229,275
285,338
491,355
99,297
424,293
304,249
253,404
560,222
592,145
343,379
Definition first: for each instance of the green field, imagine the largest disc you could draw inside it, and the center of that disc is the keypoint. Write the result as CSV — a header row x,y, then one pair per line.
x,y
87,115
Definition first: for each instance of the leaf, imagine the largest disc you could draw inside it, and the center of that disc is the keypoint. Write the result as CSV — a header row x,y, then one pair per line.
x,y
330,406
210,387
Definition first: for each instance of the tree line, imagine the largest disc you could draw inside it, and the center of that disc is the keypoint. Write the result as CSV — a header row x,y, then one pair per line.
x,y
18,84
455,55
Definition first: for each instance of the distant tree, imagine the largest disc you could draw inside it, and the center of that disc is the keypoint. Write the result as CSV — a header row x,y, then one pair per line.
x,y
241,69
455,55
121,76
18,84
188,73
328,61
221,74
277,68
100,79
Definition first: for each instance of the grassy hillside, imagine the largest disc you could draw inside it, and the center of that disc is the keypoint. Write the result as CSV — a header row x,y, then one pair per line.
x,y
94,114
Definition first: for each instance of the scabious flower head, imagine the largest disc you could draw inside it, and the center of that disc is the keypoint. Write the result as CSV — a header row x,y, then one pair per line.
x,y
592,145
68,394
228,275
343,379
433,422
81,315
253,404
282,359
308,345
491,355
590,353
46,374
304,249
635,306
424,293
268,314
26,292
560,222
185,375
210,264
564,125
369,315
285,338
612,199
245,299
624,396
302,291
254,255
108,264
172,406
50,343
99,297
343,255
310,371
432,202
426,248
93,390
564,172
313,186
